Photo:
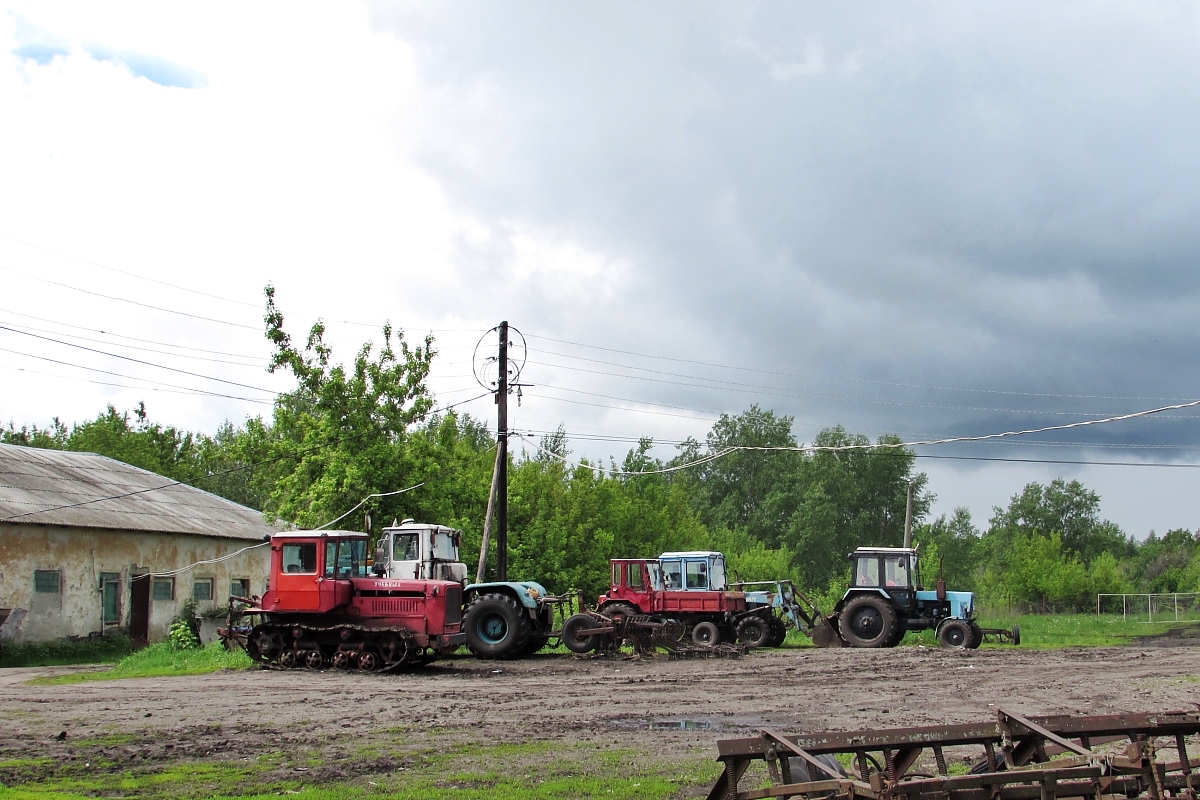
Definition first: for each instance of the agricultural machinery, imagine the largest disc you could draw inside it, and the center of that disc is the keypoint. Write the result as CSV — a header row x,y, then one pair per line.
x,y
325,606
501,619
322,608
887,599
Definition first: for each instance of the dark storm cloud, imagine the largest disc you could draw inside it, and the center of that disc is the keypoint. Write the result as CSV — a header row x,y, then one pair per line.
x,y
948,197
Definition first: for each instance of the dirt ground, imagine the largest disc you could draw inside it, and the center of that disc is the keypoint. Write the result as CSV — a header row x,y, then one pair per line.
x,y
675,709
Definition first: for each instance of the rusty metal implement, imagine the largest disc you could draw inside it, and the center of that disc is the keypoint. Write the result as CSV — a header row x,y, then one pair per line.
x,y
1011,758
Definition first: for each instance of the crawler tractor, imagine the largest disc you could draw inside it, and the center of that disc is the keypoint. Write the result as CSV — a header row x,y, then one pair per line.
x,y
322,608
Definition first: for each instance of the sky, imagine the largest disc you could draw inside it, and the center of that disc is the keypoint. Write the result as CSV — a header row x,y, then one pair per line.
x,y
934,220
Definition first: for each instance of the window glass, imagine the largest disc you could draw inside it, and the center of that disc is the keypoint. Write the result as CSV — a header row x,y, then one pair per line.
x,y
616,573
202,589
350,561
656,579
443,547
697,575
47,581
163,589
672,575
239,587
895,569
867,573
635,576
110,586
406,547
300,557
716,579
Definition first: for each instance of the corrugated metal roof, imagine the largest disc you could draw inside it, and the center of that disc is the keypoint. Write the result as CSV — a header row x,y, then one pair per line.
x,y
53,487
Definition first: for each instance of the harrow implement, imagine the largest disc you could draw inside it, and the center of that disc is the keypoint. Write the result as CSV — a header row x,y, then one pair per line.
x,y
1013,758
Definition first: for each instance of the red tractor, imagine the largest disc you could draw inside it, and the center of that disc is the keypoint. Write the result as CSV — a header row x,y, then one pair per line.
x,y
687,588
322,608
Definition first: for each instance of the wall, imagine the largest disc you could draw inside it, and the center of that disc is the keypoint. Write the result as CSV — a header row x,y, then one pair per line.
x,y
82,555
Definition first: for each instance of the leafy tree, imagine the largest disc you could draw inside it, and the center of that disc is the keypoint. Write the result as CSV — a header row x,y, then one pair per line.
x,y
955,541
1068,509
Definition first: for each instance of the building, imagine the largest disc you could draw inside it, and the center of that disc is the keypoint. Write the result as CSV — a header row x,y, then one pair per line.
x,y
90,545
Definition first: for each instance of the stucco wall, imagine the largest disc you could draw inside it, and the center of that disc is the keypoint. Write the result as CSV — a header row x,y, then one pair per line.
x,y
81,555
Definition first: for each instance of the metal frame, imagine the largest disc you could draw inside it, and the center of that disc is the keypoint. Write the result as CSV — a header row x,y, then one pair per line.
x,y
1038,758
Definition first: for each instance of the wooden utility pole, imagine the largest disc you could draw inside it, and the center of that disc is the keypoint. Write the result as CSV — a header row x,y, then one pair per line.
x,y
502,458
481,573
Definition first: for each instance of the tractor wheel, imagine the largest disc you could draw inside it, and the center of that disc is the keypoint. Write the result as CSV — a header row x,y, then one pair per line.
x,y
706,634
897,635
955,633
614,610
754,632
534,644
976,636
869,621
778,632
573,634
1016,635
496,627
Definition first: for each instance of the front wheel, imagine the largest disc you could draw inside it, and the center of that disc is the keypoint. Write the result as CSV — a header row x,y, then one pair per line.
x,y
955,633
706,634
976,636
778,632
754,632
496,627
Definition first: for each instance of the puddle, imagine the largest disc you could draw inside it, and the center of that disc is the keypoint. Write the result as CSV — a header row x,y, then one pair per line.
x,y
674,724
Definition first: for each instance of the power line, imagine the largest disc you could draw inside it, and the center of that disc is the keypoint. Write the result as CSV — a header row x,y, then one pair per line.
x,y
138,361
174,390
135,347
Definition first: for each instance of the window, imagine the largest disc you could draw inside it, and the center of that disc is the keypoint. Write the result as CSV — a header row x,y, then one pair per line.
x,y
443,547
163,589
672,576
110,597
239,587
202,589
47,581
616,576
896,570
716,578
635,576
345,558
697,575
406,547
300,557
867,573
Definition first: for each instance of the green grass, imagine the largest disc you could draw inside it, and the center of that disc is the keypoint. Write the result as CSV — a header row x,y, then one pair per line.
x,y
160,660
462,771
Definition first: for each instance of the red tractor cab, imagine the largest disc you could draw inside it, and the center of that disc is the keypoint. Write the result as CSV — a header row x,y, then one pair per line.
x,y
680,587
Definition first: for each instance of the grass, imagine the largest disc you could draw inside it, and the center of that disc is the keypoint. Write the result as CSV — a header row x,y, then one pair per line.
x,y
161,660
460,771
96,650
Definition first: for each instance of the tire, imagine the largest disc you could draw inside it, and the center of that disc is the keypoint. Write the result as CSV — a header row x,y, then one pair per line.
x,y
955,633
897,635
706,634
572,634
1016,635
496,627
779,632
754,632
868,621
976,636
534,644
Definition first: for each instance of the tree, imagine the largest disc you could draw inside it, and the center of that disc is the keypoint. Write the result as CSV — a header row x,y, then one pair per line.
x,y
1068,509
956,543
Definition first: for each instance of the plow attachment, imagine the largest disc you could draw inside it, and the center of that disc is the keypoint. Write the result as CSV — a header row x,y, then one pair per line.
x,y
589,631
1013,758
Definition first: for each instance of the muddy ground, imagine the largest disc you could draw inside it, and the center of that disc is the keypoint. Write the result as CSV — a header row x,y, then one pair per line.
x,y
675,710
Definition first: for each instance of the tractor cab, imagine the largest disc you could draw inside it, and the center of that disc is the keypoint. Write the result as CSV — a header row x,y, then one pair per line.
x,y
894,570
693,571
311,570
417,551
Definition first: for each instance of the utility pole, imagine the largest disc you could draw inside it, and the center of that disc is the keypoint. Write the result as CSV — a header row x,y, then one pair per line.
x,y
502,458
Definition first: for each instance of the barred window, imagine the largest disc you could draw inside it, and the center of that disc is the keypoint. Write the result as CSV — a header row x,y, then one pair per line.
x,y
47,581
202,589
163,589
239,587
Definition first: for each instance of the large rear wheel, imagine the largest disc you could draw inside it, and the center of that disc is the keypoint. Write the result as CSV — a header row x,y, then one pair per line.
x,y
869,621
496,627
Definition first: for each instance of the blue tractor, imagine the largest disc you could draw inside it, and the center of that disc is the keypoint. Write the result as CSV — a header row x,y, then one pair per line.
x,y
886,600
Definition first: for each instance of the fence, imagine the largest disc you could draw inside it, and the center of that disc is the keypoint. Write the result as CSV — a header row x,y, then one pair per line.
x,y
1172,607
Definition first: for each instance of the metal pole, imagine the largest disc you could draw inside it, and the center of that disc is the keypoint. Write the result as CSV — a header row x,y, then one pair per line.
x,y
908,518
502,458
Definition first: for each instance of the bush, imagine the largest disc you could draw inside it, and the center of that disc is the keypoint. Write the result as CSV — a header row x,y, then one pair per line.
x,y
94,649
184,633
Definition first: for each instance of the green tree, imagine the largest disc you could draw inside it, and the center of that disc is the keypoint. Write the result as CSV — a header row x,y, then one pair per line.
x,y
1066,508
956,543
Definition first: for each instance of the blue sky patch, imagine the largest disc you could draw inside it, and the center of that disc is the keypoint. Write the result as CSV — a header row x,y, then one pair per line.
x,y
153,68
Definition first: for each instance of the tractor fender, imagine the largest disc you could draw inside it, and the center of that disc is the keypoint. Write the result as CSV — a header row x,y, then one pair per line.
x,y
528,593
858,592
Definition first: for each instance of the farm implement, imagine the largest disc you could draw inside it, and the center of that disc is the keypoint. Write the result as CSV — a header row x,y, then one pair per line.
x,y
1011,758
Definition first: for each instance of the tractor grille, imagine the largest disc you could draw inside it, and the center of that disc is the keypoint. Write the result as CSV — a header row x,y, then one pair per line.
x,y
453,603
396,606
